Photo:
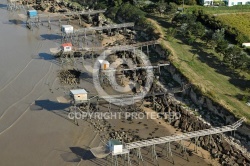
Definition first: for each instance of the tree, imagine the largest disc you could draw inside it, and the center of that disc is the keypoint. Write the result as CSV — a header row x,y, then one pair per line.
x,y
142,22
217,37
161,7
190,37
189,18
177,20
184,28
248,66
232,56
197,29
171,8
221,46
179,2
138,3
244,62
241,38
100,5
208,36
116,2
193,31
190,2
184,18
130,12
112,12
150,8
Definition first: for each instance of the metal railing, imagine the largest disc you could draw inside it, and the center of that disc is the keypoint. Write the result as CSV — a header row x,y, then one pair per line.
x,y
184,136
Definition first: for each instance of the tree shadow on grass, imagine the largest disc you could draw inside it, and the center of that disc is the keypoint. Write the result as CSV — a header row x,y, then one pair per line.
x,y
241,83
242,97
212,61
208,58
197,49
161,20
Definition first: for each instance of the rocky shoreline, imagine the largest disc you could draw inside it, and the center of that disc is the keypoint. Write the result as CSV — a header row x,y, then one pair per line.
x,y
217,145
230,150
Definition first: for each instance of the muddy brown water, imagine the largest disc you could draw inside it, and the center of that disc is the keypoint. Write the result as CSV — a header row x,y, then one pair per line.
x,y
28,74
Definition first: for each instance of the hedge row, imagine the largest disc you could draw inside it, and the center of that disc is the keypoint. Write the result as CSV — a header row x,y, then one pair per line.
x,y
215,23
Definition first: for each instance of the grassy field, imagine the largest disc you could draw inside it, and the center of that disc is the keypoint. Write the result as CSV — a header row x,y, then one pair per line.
x,y
240,22
211,82
221,9
204,70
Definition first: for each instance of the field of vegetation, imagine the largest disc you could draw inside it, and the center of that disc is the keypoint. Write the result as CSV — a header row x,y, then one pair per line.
x,y
241,22
220,9
212,82
202,67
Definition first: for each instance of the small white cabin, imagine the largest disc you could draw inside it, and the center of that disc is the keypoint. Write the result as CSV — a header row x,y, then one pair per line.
x,y
67,29
104,64
115,146
79,95
66,47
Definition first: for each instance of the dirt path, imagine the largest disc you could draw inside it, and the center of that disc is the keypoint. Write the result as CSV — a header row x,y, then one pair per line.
x,y
166,44
162,35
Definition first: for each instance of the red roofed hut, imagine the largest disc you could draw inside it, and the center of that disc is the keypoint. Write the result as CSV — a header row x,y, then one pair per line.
x,y
66,47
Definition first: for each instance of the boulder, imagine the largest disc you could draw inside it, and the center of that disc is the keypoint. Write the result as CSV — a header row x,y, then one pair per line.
x,y
190,128
184,125
177,123
226,146
240,161
219,148
183,111
206,140
214,152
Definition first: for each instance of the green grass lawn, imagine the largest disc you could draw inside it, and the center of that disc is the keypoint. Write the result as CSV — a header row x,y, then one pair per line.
x,y
210,82
202,68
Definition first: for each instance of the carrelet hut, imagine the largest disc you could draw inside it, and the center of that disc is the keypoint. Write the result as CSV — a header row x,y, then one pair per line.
x,y
79,95
66,47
